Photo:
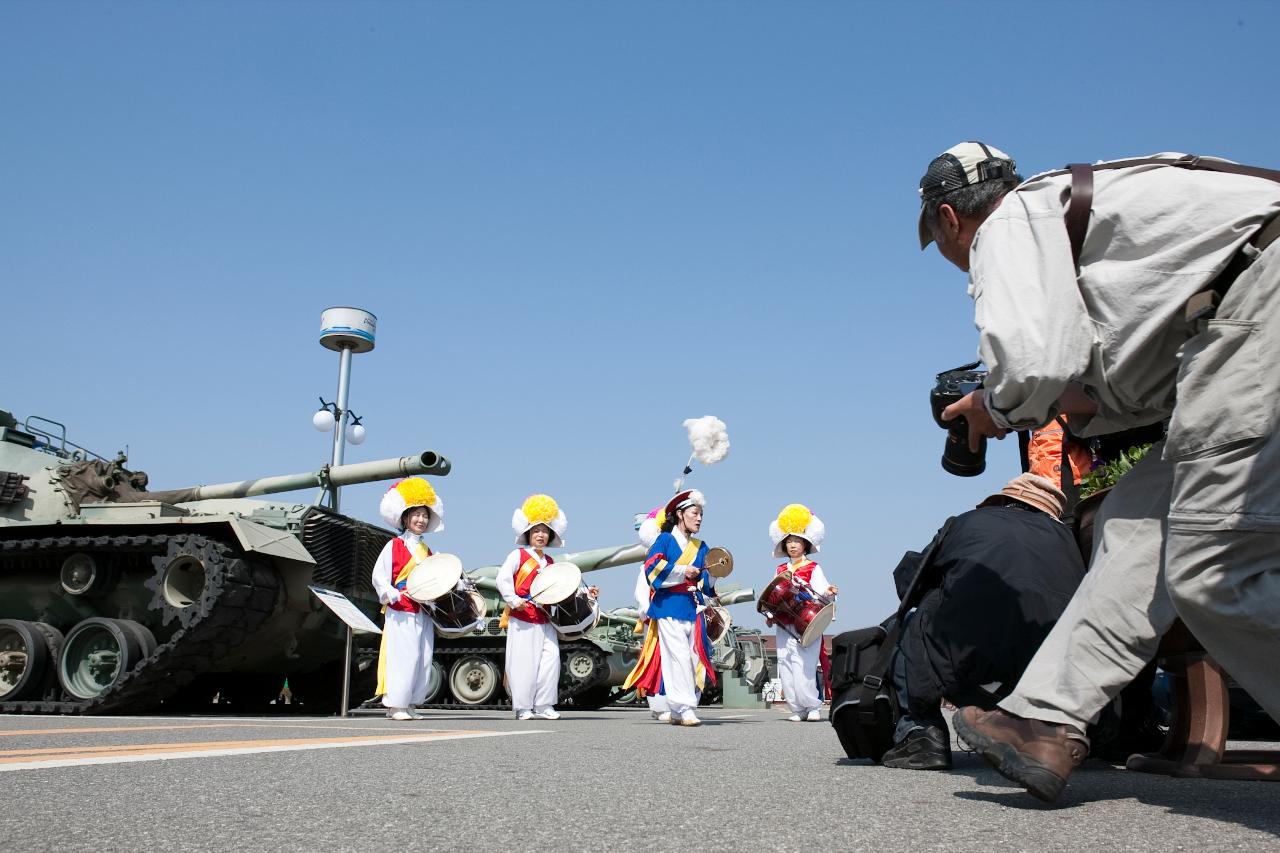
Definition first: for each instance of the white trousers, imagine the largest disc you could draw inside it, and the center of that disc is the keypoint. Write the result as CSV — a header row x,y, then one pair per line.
x,y
533,665
798,670
1193,530
675,640
410,639
657,703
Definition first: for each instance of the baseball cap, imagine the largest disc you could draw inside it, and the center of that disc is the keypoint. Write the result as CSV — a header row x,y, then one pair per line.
x,y
961,166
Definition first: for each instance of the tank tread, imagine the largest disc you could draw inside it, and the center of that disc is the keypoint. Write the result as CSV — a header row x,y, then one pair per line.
x,y
497,652
240,594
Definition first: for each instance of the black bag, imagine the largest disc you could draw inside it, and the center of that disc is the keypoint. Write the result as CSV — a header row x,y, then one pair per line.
x,y
864,709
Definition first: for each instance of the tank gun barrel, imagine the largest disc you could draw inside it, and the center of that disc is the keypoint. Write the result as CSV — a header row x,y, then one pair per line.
x,y
427,462
589,561
738,596
606,558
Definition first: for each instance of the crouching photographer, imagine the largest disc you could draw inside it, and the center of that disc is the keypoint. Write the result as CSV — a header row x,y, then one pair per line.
x,y
976,604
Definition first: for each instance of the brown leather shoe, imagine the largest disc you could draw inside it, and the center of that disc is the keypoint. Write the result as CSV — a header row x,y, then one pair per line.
x,y
1037,755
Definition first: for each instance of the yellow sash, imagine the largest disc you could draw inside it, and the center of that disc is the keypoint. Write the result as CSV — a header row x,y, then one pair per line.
x,y
416,553
686,559
522,574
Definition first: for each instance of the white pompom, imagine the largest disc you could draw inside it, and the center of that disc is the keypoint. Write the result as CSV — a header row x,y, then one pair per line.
x,y
709,439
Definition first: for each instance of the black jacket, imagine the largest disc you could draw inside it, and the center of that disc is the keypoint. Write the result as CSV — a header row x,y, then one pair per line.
x,y
1000,578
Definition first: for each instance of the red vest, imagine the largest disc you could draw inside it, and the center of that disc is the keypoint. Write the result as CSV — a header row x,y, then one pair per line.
x,y
527,612
399,557
804,572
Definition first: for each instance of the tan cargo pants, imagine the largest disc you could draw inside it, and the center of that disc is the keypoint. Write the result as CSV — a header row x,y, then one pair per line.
x,y
1192,531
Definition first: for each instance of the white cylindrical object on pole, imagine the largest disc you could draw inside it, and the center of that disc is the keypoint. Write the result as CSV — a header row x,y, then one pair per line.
x,y
346,328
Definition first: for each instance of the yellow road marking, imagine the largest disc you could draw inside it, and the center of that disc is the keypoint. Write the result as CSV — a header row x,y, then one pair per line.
x,y
264,724
42,758
8,756
99,729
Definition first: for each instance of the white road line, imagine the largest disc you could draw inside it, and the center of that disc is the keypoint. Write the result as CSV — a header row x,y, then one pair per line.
x,y
730,716
213,753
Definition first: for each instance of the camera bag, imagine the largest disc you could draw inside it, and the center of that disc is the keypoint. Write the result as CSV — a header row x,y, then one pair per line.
x,y
864,708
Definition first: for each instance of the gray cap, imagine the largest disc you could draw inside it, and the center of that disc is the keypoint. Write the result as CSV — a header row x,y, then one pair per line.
x,y
961,166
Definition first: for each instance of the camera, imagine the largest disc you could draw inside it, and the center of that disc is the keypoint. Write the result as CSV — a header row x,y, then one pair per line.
x,y
953,385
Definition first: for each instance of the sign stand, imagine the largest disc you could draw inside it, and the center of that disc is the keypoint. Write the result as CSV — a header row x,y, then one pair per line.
x,y
355,620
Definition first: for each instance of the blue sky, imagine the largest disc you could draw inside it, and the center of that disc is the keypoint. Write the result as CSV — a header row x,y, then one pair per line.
x,y
578,225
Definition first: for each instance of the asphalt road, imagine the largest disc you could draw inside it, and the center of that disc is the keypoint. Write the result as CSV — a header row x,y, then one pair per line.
x,y
604,780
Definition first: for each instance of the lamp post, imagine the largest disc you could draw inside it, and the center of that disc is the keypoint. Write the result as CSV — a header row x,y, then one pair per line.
x,y
346,331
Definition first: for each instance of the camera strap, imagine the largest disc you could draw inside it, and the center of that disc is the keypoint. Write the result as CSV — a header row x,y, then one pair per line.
x,y
1076,217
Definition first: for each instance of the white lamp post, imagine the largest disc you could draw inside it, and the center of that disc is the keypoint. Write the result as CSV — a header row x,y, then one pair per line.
x,y
346,331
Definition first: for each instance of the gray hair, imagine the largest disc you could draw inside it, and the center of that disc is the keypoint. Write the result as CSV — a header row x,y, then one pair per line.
x,y
972,201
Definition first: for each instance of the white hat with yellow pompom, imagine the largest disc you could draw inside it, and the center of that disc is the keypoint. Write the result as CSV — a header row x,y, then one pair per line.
x,y
539,509
796,520
405,495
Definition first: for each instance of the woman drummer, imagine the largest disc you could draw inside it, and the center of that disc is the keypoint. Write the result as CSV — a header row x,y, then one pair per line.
x,y
681,587
404,658
533,645
797,533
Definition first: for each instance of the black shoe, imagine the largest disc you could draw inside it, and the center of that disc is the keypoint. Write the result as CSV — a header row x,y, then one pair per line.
x,y
924,748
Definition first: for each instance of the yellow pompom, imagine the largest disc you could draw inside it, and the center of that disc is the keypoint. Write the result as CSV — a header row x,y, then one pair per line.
x,y
661,518
540,509
416,492
794,518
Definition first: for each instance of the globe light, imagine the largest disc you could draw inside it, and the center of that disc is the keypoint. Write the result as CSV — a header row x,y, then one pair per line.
x,y
355,434
323,420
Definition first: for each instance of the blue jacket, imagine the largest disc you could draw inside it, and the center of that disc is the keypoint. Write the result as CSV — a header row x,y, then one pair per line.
x,y
659,565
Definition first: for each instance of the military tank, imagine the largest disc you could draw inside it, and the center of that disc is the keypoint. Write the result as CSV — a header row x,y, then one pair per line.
x,y
117,599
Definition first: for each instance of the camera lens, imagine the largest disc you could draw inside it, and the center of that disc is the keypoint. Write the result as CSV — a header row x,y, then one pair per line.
x,y
958,459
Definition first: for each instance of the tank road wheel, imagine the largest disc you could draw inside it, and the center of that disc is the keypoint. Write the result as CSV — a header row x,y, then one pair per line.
x,y
98,653
579,665
28,651
435,681
474,680
82,574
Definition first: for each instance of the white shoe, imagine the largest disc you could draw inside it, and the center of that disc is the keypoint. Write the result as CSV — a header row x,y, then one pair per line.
x,y
814,716
795,718
416,714
524,715
399,714
689,719
664,717
549,714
